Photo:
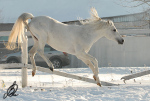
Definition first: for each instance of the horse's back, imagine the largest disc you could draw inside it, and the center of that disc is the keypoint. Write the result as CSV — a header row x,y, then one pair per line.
x,y
41,21
60,36
48,29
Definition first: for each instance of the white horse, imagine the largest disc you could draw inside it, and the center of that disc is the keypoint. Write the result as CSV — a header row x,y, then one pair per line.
x,y
74,39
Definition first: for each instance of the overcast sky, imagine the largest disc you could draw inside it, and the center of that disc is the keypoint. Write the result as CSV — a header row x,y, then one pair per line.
x,y
62,10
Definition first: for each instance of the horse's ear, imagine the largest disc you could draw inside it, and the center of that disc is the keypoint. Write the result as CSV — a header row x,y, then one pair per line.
x,y
94,14
109,22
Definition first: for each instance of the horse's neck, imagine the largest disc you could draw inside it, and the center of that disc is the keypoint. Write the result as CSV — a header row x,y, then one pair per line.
x,y
89,30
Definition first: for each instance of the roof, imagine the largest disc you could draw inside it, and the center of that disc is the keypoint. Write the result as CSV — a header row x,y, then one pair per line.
x,y
6,26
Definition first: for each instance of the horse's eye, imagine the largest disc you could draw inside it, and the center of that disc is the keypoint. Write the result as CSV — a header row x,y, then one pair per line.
x,y
114,30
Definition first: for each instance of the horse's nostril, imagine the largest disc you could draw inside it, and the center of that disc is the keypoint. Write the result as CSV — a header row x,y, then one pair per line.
x,y
122,41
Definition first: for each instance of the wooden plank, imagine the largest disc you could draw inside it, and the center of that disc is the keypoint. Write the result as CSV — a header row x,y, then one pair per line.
x,y
128,77
73,76
57,73
12,65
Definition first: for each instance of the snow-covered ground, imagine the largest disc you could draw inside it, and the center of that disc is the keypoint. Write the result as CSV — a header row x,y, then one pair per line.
x,y
48,87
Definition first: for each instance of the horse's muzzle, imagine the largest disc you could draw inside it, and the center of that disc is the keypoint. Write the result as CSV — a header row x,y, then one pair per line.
x,y
120,41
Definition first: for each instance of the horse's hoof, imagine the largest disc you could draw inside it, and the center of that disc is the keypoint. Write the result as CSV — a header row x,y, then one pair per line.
x,y
33,73
52,69
94,77
99,84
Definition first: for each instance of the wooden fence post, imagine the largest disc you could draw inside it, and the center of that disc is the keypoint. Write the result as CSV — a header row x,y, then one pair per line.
x,y
24,49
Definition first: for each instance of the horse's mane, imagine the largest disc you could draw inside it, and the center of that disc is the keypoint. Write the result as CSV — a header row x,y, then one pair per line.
x,y
94,17
96,20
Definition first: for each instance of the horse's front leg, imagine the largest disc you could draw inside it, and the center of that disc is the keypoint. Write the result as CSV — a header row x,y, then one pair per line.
x,y
32,53
92,63
96,71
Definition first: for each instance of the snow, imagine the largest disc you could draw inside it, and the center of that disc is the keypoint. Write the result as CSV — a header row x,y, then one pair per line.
x,y
49,87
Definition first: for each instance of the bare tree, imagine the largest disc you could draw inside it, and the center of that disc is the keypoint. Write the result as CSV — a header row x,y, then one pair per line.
x,y
142,2
135,3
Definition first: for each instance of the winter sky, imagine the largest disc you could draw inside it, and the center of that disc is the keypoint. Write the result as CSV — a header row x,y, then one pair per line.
x,y
62,10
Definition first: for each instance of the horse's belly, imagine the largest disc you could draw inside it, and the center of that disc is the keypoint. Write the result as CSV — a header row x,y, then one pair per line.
x,y
62,46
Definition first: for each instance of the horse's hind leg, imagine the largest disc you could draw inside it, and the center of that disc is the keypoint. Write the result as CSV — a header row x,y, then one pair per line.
x,y
32,53
41,53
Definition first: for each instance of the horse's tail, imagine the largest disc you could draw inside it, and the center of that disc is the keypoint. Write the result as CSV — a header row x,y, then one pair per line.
x,y
17,32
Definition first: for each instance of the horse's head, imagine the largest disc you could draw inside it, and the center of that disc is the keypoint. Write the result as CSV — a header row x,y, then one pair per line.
x,y
104,28
112,33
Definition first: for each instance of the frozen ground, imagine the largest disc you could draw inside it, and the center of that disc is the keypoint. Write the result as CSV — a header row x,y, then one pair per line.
x,y
48,87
